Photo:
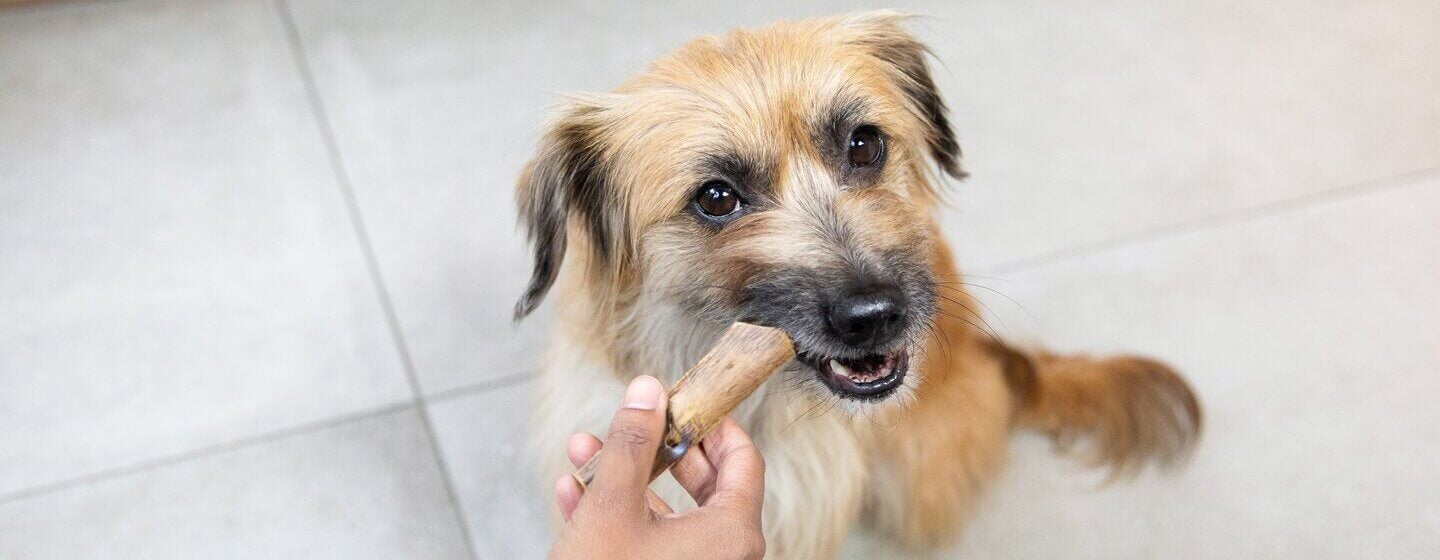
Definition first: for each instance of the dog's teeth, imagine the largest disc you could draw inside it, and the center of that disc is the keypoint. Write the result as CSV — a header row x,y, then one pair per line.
x,y
839,368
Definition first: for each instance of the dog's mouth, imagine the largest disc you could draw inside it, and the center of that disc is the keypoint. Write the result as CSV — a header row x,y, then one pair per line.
x,y
869,378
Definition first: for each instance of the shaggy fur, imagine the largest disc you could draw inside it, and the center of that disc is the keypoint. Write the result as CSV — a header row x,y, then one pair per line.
x,y
643,284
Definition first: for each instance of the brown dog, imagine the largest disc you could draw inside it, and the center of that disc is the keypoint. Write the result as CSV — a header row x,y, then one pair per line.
x,y
783,176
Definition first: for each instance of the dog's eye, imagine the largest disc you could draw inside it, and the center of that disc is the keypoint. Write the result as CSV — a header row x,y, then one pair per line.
x,y
866,146
717,199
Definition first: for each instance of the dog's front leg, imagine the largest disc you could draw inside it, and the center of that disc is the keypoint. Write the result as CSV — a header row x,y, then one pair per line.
x,y
931,460
814,479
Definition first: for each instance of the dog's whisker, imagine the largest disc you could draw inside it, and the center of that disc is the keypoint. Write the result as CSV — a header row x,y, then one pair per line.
x,y
933,328
802,415
989,289
968,275
982,305
992,336
990,329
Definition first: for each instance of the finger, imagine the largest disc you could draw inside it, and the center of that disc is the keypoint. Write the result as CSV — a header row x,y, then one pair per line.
x,y
739,469
657,505
567,495
581,447
623,471
695,474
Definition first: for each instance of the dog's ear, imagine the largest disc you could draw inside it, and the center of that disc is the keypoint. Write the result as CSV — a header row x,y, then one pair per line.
x,y
566,177
883,34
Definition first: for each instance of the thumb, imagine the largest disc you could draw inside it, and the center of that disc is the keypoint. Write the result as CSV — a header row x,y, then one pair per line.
x,y
623,472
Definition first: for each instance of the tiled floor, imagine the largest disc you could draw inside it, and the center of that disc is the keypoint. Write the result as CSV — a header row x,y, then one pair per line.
x,y
257,259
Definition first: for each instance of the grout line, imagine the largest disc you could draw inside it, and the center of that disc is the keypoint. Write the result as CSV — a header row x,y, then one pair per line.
x,y
1356,190
215,449
480,387
372,264
39,6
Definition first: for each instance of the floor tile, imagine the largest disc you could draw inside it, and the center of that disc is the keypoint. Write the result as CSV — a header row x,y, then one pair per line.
x,y
1310,338
177,267
1086,122
483,439
367,489
178,270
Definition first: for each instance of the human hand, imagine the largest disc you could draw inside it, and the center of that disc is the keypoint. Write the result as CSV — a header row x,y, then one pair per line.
x,y
619,517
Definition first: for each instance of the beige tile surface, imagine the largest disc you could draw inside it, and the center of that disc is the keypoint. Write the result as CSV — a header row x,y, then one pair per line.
x,y
367,489
1087,121
176,265
1310,336
483,439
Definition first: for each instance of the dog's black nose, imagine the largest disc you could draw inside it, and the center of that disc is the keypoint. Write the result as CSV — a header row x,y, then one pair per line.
x,y
869,318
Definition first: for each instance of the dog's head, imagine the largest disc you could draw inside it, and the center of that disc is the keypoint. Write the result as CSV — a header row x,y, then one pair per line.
x,y
780,176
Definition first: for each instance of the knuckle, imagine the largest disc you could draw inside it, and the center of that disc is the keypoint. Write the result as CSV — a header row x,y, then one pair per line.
x,y
750,545
742,539
629,436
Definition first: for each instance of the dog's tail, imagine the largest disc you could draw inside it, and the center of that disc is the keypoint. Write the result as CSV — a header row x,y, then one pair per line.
x,y
1123,411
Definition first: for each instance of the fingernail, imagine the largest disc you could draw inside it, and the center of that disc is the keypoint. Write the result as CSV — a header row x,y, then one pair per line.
x,y
643,393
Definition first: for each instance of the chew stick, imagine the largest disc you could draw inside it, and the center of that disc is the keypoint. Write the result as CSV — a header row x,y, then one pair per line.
x,y
744,357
